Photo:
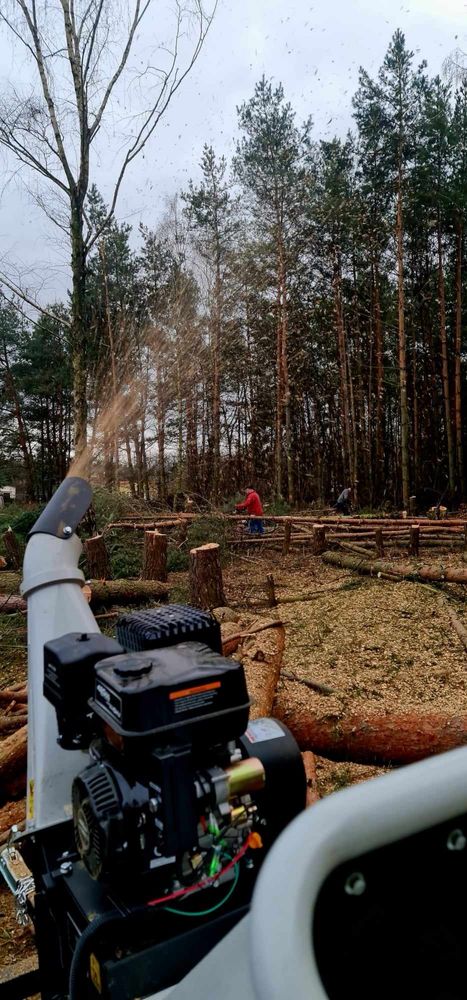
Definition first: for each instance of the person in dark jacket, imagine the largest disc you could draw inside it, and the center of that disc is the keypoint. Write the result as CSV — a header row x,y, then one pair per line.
x,y
344,502
253,507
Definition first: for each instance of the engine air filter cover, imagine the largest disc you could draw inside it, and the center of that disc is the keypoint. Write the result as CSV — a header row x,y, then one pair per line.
x,y
178,694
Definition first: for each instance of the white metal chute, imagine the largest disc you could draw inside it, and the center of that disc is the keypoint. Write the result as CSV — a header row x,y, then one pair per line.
x,y
52,584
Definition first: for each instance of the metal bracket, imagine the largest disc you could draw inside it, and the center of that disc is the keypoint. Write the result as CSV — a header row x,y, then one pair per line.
x,y
19,880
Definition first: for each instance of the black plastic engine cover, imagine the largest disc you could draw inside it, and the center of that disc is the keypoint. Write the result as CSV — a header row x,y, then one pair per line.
x,y
183,694
69,663
167,626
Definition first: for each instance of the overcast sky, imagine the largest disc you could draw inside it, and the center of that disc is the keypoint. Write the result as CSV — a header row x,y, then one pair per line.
x,y
314,49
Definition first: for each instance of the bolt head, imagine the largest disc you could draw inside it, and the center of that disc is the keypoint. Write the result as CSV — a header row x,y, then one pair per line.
x,y
67,531
355,884
456,841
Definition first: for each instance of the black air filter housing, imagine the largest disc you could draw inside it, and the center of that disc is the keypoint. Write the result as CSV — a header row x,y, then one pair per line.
x,y
183,694
167,626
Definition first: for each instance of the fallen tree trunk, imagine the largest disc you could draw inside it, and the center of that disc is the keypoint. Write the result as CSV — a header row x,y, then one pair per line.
x,y
10,604
369,738
13,753
105,592
10,694
8,723
170,522
126,591
262,676
231,643
309,763
440,574
11,814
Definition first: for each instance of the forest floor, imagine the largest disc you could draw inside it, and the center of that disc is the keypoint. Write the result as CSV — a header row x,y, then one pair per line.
x,y
374,644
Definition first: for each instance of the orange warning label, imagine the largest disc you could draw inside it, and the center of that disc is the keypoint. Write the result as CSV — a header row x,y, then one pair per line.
x,y
194,690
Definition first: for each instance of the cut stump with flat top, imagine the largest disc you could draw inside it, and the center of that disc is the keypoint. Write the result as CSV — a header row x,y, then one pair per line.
x,y
13,549
206,584
319,539
155,556
97,558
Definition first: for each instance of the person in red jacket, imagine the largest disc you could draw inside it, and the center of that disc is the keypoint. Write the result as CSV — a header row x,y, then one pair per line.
x,y
252,505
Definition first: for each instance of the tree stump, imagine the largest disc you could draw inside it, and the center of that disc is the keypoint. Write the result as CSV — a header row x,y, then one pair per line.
x,y
319,539
414,542
206,584
271,591
287,534
97,558
155,556
379,543
13,549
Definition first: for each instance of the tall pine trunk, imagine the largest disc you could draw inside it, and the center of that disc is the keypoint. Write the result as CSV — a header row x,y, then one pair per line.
x,y
404,409
444,361
285,375
216,382
379,379
342,356
457,359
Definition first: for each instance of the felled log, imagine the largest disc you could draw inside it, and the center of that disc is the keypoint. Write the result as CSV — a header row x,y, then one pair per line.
x,y
309,763
154,556
13,753
206,584
97,557
11,814
231,643
8,723
9,694
13,549
262,676
10,604
369,738
438,574
127,591
106,592
151,525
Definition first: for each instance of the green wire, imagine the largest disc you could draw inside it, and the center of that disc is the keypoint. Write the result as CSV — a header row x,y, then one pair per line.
x,y
205,913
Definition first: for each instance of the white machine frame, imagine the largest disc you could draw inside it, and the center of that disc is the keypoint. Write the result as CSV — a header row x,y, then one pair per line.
x,y
269,955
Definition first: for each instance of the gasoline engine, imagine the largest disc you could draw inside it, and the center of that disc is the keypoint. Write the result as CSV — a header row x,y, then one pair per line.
x,y
179,785
152,799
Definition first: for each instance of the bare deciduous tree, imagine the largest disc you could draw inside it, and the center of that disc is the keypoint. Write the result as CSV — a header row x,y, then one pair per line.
x,y
78,53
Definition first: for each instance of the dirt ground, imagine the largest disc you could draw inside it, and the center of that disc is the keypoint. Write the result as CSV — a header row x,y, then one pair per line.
x,y
368,642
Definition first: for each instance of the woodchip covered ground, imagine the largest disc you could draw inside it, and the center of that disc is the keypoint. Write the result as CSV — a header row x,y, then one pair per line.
x,y
376,645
